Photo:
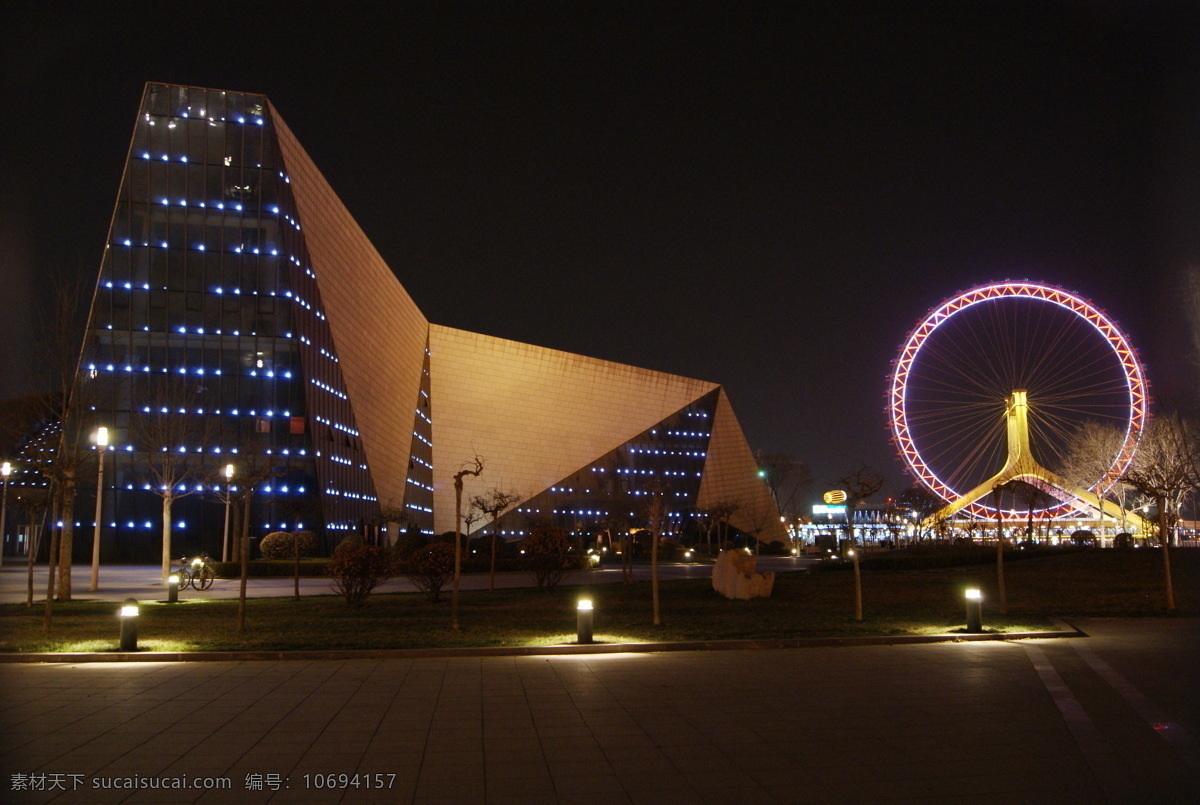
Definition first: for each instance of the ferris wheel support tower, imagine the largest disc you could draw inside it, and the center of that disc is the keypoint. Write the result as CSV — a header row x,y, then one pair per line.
x,y
1022,466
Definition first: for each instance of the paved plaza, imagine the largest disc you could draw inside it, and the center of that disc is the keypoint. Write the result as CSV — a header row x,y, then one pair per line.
x,y
1107,718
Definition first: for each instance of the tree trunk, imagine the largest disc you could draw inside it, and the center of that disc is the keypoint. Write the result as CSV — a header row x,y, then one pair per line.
x,y
857,589
1164,537
35,530
48,613
1003,604
654,575
167,500
457,552
67,540
296,563
626,559
244,558
492,573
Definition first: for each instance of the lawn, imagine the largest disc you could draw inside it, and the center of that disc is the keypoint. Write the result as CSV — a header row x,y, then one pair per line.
x,y
813,604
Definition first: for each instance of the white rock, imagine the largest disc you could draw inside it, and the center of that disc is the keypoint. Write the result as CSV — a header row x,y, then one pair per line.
x,y
734,576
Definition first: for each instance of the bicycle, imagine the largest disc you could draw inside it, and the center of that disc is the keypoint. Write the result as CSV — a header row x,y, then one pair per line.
x,y
197,573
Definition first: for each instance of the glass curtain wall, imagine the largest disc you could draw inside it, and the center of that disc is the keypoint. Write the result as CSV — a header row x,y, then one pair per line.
x,y
205,281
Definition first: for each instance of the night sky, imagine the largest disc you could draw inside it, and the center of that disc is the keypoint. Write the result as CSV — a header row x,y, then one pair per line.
x,y
767,196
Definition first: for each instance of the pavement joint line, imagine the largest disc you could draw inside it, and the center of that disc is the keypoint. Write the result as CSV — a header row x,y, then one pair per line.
x,y
1174,734
1111,776
528,651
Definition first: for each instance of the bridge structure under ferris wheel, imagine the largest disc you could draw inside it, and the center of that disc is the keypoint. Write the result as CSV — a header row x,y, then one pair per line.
x,y
999,369
1022,466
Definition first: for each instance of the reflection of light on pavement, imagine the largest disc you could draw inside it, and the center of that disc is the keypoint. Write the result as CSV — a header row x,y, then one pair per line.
x,y
607,657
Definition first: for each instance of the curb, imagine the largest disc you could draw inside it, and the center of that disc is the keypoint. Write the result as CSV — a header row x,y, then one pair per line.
x,y
1066,630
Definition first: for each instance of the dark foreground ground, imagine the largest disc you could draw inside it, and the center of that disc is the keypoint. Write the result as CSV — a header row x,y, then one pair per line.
x,y
1107,718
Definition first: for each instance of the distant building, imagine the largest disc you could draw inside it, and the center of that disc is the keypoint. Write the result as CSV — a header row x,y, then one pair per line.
x,y
231,262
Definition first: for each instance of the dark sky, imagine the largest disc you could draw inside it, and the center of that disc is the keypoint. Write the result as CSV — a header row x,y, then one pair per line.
x,y
760,194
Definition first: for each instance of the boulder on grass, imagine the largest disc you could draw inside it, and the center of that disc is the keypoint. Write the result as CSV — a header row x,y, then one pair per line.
x,y
734,576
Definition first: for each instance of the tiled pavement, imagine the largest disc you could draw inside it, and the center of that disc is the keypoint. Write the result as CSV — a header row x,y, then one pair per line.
x,y
1110,718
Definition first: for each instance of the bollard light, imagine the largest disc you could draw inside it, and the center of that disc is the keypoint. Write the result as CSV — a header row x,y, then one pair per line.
x,y
974,610
173,588
583,621
129,615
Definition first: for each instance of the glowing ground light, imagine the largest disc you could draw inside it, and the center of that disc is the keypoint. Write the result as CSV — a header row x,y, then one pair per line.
x,y
1131,383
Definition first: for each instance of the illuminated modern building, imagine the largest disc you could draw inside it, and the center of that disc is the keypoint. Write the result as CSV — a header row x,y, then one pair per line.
x,y
231,263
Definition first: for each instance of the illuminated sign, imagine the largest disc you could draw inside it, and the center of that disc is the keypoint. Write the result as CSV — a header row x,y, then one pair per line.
x,y
822,508
835,496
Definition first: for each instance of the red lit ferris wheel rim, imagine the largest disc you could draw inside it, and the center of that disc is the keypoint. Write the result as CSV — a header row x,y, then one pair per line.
x,y
1125,354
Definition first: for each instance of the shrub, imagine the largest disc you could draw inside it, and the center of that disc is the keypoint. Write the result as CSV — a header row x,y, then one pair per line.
x,y
408,544
278,545
669,549
1124,540
353,539
429,567
545,555
359,569
1083,537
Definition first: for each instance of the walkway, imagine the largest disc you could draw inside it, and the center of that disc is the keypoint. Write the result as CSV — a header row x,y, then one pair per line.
x,y
1110,718
118,582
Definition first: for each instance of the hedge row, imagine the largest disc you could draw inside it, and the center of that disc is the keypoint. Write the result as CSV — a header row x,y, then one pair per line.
x,y
965,556
265,568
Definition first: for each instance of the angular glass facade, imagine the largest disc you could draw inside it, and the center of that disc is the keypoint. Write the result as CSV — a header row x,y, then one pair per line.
x,y
232,268
206,277
669,457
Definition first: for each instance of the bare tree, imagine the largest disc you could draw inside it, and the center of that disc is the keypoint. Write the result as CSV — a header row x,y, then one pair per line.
x,y
758,521
721,511
493,503
470,517
656,516
1166,468
171,437
786,477
35,502
861,484
255,467
923,504
299,507
474,468
70,402
1089,458
997,492
617,523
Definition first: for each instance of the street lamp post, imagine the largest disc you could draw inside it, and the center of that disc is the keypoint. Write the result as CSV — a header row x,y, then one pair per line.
x,y
101,449
5,470
228,498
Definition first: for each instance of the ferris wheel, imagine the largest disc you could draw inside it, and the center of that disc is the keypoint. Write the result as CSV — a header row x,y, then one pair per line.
x,y
992,385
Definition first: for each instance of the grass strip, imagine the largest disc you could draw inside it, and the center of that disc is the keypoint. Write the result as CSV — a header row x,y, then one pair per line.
x,y
814,604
